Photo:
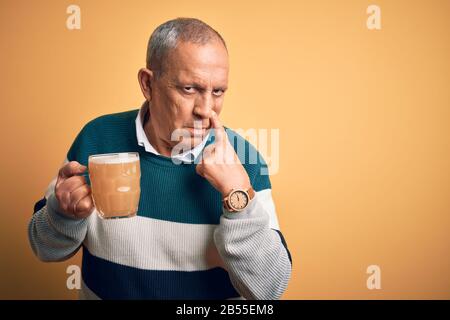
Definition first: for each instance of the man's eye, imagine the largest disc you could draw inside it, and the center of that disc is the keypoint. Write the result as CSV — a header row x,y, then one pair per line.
x,y
218,92
189,89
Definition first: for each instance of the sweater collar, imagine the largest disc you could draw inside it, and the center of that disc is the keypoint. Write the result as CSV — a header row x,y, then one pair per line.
x,y
187,156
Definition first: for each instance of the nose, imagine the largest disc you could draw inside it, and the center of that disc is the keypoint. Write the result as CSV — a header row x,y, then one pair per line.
x,y
204,104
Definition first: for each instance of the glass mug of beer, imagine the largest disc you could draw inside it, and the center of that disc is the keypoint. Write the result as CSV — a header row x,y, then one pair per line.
x,y
115,184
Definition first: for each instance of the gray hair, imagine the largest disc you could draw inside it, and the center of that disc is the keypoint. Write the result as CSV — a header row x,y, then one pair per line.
x,y
167,36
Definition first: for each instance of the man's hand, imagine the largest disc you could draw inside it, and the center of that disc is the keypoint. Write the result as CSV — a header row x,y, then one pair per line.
x,y
72,191
220,164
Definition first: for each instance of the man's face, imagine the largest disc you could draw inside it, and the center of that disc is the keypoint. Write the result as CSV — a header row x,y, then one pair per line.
x,y
193,84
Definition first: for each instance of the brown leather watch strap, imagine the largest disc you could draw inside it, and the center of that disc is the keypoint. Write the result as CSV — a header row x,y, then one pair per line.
x,y
251,195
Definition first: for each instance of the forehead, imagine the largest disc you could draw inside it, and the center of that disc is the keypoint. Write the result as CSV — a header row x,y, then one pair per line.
x,y
206,63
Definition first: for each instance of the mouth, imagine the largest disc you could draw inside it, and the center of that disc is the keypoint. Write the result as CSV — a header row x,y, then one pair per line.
x,y
197,129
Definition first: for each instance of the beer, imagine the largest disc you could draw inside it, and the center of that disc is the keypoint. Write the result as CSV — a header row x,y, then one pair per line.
x,y
115,184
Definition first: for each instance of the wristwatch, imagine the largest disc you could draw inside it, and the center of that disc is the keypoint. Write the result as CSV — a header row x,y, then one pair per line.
x,y
238,199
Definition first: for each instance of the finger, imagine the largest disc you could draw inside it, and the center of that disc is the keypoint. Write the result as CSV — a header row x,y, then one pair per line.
x,y
219,130
63,198
72,183
84,207
70,169
64,189
208,154
230,156
79,193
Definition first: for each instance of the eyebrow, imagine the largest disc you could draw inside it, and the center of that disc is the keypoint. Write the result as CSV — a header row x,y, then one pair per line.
x,y
198,85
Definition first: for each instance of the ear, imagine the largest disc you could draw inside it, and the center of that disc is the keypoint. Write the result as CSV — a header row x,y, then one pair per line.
x,y
146,78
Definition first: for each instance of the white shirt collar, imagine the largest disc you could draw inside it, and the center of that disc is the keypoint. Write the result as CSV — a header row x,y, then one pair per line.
x,y
142,139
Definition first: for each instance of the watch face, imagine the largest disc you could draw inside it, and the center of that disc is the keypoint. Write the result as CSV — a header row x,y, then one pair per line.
x,y
238,200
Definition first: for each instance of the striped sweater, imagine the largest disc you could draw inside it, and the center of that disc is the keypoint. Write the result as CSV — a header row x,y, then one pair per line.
x,y
182,244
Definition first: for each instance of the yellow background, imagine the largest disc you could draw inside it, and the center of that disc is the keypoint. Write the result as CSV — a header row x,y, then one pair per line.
x,y
363,116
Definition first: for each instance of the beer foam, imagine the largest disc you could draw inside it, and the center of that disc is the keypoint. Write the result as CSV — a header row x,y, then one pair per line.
x,y
114,158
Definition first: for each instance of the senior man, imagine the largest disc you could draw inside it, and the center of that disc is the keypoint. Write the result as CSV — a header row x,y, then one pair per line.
x,y
190,239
